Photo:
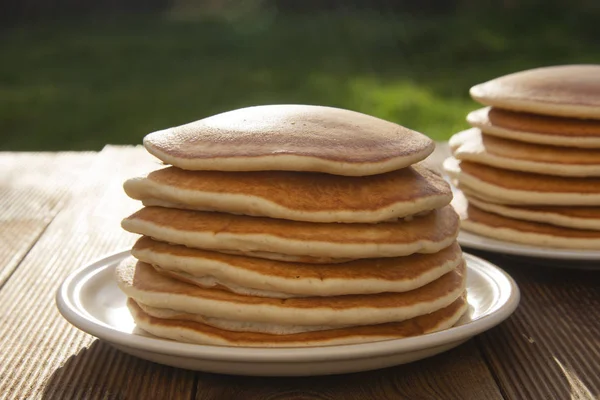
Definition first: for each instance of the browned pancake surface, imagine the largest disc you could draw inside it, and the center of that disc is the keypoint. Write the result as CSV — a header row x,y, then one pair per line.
x,y
313,131
411,327
530,182
146,278
437,225
533,123
392,269
288,258
479,216
512,149
567,211
313,191
577,212
562,85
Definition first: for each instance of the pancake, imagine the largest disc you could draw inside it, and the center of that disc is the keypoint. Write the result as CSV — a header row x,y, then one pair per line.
x,y
210,282
194,332
471,193
524,188
298,196
247,275
287,257
219,231
569,217
541,129
231,325
476,220
564,90
291,138
142,283
472,145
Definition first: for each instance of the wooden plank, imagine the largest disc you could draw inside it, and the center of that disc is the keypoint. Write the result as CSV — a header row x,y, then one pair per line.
x,y
550,347
458,374
101,372
33,188
44,356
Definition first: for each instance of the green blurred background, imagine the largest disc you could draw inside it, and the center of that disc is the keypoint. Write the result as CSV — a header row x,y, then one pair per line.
x,y
77,74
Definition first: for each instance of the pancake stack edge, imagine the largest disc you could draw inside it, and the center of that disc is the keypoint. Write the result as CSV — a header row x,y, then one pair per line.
x,y
291,226
529,168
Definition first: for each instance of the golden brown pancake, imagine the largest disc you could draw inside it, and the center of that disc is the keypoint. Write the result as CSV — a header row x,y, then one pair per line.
x,y
219,231
287,257
532,128
471,145
300,196
532,182
142,283
396,274
566,90
483,196
235,326
476,220
522,187
195,332
291,138
570,217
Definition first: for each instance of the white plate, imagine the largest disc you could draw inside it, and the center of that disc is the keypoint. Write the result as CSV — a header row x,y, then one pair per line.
x,y
90,299
475,241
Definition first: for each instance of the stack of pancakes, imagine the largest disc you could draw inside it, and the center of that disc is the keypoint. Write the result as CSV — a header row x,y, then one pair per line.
x,y
292,225
530,166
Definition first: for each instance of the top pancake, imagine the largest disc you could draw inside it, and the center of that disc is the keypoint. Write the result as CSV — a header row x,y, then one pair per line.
x,y
300,196
291,138
567,91
532,128
472,145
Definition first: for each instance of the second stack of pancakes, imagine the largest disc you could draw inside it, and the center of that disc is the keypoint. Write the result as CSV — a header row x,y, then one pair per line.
x,y
530,166
292,225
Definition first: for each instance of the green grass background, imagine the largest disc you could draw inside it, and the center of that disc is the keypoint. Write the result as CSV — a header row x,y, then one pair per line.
x,y
80,84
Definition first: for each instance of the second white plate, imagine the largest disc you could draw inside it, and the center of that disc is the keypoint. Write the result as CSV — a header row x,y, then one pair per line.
x,y
90,299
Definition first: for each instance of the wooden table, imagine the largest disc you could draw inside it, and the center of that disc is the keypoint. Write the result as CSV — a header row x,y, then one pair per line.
x,y
59,211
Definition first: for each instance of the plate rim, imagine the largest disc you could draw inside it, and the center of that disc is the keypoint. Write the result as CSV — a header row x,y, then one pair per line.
x,y
78,318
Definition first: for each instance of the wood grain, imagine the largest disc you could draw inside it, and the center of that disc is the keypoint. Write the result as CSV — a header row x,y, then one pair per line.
x,y
458,374
550,347
102,372
42,355
33,188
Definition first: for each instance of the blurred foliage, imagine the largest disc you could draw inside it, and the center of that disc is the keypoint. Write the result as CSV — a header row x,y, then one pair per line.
x,y
78,83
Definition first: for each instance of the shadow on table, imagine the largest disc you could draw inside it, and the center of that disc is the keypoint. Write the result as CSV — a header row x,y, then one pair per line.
x,y
102,372
458,374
